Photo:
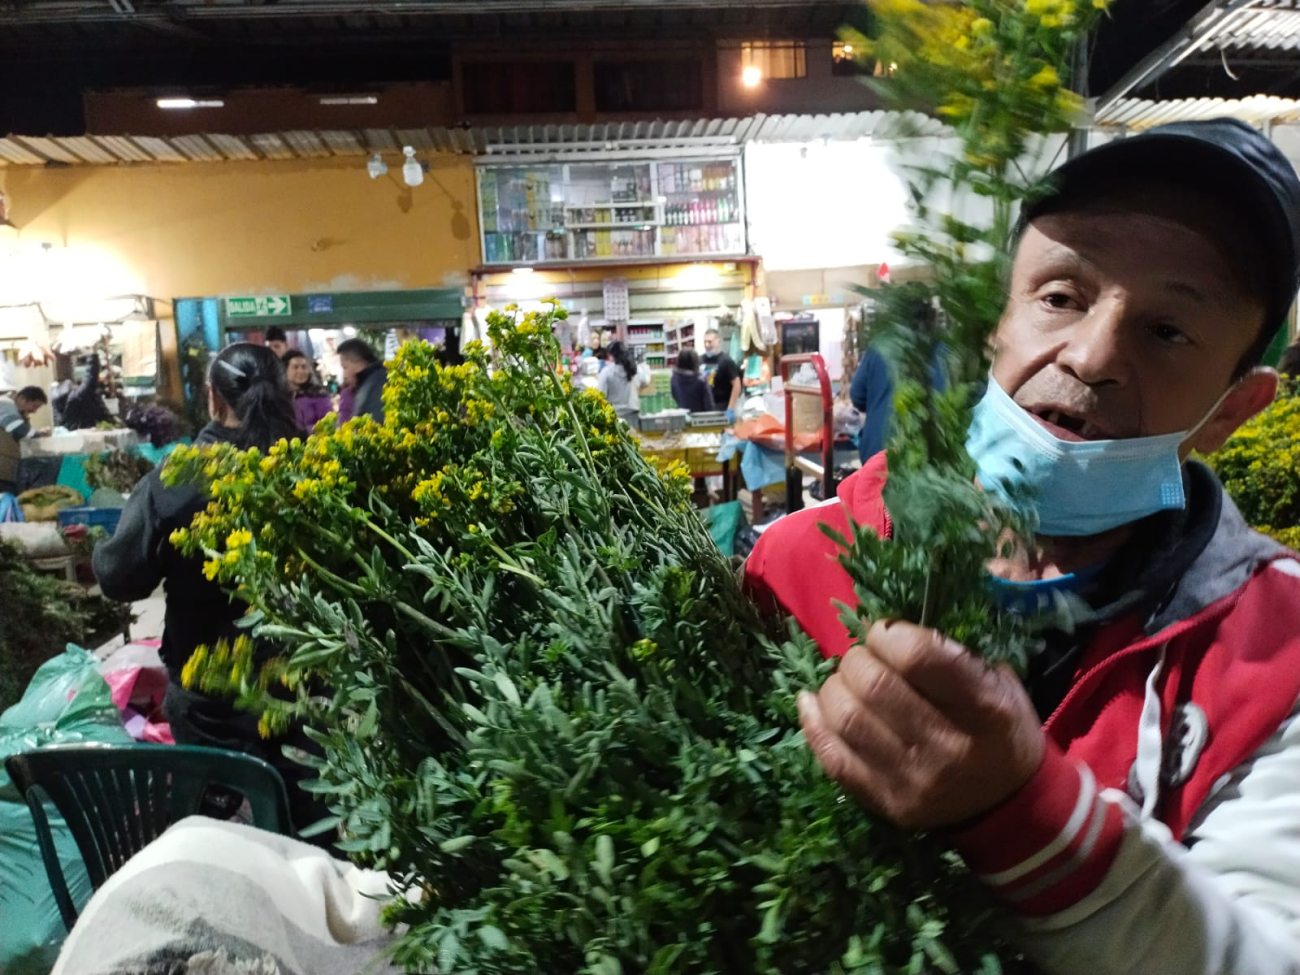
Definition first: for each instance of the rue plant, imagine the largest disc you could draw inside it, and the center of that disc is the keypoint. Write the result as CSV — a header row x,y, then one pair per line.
x,y
1260,467
996,71
543,702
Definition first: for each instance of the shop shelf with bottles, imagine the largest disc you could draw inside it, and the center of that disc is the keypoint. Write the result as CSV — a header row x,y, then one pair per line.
x,y
581,212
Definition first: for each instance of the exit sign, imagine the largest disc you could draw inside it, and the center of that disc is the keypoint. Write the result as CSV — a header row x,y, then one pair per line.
x,y
259,306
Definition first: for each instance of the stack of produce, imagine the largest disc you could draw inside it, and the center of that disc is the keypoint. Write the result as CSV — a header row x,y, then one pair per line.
x,y
553,710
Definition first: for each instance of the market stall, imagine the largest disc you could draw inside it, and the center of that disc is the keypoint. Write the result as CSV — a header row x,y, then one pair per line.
x,y
656,308
648,251
316,324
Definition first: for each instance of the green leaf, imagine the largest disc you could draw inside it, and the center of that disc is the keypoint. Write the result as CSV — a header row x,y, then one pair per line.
x,y
367,726
507,687
605,859
448,952
770,932
493,937
551,863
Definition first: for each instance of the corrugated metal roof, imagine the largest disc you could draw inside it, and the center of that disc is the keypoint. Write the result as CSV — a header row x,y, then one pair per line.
x,y
161,149
482,140
197,148
86,148
1142,113
51,149
232,147
125,148
1275,27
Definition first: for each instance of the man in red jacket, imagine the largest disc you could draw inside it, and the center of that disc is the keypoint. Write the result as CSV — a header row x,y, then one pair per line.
x,y
1136,801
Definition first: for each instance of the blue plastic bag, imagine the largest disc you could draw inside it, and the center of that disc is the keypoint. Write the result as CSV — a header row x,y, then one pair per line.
x,y
10,509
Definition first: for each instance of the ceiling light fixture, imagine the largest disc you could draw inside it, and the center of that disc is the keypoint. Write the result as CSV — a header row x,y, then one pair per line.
x,y
349,100
183,103
376,167
751,76
521,270
412,170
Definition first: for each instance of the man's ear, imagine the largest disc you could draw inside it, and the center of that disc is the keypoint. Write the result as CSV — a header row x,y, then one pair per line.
x,y
1253,393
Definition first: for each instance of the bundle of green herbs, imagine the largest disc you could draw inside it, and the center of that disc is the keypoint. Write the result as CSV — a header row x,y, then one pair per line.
x,y
551,712
118,469
42,614
996,71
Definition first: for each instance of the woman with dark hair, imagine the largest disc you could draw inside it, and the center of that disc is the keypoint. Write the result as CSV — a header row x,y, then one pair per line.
x,y
690,392
311,401
617,382
250,405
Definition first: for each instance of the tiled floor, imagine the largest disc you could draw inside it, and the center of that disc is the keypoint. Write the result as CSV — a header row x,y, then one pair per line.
x,y
148,624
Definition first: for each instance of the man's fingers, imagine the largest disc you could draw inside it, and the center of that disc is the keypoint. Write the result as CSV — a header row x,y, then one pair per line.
x,y
873,737
942,671
837,759
884,692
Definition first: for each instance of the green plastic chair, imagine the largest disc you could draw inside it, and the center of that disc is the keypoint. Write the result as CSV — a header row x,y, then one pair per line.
x,y
116,799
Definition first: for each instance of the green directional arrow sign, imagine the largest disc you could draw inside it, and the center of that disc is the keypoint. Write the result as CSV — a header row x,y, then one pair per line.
x,y
258,306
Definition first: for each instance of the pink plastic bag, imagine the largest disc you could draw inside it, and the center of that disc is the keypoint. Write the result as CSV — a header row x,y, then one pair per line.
x,y
137,681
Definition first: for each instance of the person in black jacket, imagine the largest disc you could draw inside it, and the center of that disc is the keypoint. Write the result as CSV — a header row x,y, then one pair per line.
x,y
84,408
690,392
248,398
362,369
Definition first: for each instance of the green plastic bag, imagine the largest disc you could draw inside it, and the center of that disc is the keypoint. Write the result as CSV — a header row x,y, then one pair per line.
x,y
66,701
724,522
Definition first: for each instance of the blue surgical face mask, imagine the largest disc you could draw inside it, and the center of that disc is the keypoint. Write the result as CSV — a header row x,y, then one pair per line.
x,y
1077,488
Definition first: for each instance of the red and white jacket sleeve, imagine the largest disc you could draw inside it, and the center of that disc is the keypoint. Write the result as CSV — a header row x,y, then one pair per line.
x,y
1096,888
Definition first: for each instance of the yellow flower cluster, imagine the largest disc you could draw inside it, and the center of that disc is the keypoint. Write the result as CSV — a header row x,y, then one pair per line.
x,y
429,491
1260,468
989,63
439,470
227,662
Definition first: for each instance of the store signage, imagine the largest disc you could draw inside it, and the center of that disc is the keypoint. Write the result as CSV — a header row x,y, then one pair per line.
x,y
259,306
320,304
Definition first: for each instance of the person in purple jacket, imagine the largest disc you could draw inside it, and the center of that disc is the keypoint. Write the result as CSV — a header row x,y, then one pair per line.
x,y
311,401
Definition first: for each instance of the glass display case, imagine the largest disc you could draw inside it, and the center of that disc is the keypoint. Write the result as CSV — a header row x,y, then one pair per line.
x,y
578,212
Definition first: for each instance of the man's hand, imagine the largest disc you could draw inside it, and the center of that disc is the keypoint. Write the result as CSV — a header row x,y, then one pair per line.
x,y
920,731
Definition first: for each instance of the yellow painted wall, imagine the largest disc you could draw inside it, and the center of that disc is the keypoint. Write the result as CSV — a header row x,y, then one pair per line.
x,y
189,230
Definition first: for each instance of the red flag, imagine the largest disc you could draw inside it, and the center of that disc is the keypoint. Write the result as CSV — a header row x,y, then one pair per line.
x,y
882,273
